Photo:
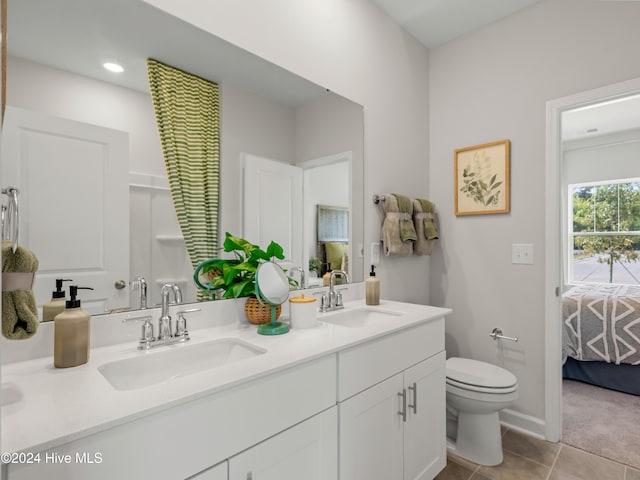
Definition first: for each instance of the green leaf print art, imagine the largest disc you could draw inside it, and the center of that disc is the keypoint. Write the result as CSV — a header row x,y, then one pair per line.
x,y
482,179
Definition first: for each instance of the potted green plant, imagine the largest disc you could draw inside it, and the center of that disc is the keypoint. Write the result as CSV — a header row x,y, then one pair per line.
x,y
235,277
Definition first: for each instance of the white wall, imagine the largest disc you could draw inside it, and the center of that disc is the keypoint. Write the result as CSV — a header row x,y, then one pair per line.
x,y
327,126
353,49
249,124
490,85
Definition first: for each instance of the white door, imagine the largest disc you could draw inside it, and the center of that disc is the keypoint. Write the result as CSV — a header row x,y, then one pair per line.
x,y
272,206
307,451
425,449
74,203
371,433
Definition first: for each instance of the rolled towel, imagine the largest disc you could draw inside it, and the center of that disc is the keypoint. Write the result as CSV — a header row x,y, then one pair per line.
x,y
424,220
391,240
19,312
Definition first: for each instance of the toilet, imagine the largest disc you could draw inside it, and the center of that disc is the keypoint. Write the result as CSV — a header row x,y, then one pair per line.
x,y
476,392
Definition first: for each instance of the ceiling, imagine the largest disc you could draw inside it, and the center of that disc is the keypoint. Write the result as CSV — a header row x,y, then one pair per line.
x,y
435,22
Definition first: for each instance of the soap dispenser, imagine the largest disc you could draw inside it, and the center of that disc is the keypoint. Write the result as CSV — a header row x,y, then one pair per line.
x,y
57,303
71,333
372,288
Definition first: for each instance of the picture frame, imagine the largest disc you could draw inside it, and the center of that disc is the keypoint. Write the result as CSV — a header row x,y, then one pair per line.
x,y
481,179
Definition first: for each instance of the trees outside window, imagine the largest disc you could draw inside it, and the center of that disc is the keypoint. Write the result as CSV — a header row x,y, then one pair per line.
x,y
605,227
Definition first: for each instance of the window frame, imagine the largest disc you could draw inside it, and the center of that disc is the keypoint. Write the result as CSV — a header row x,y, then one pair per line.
x,y
571,235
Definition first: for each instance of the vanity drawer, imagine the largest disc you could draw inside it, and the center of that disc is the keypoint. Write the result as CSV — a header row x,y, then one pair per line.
x,y
365,365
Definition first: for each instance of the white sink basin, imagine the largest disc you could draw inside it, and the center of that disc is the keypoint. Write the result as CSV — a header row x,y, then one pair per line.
x,y
360,317
156,366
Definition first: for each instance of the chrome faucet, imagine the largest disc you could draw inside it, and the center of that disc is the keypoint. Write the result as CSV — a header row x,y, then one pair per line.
x,y
333,299
301,270
164,324
165,337
139,283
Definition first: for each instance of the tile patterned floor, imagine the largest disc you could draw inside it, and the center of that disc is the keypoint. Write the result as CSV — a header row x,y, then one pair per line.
x,y
528,458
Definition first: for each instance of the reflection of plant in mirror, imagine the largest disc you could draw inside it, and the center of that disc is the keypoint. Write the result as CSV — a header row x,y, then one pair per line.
x,y
477,184
235,277
315,264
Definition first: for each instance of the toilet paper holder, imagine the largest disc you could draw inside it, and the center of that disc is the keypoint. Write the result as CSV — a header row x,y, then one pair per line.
x,y
496,333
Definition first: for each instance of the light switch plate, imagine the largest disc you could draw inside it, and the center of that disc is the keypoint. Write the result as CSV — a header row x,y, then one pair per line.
x,y
522,253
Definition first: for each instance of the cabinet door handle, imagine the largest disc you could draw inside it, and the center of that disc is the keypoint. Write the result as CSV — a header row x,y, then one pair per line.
x,y
414,388
403,412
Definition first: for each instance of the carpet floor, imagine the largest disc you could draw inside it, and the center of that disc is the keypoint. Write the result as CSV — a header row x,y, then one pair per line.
x,y
601,421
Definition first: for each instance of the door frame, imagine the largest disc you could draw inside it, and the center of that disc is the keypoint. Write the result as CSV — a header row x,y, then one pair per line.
x,y
553,243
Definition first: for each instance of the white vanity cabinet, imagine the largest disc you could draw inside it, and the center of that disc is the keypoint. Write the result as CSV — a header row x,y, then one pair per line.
x,y
330,403
395,428
306,451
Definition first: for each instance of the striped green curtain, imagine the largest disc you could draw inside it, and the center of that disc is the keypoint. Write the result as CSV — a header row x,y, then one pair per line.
x,y
187,113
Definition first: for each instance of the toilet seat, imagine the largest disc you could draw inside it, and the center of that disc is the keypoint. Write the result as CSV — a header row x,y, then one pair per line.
x,y
475,388
473,375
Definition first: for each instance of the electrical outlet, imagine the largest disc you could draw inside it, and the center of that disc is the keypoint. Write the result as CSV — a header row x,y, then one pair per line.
x,y
375,253
522,253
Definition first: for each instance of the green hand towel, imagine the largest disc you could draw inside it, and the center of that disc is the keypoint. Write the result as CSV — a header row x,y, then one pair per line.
x,y
407,229
430,229
19,311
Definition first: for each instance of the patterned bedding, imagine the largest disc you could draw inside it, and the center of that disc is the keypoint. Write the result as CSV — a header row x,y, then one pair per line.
x,y
602,323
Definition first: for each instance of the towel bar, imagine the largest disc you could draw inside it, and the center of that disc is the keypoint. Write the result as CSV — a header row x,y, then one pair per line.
x,y
377,198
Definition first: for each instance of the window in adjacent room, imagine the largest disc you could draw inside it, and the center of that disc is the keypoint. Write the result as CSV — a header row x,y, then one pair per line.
x,y
604,232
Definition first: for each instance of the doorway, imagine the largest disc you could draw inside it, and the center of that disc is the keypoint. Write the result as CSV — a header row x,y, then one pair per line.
x,y
555,274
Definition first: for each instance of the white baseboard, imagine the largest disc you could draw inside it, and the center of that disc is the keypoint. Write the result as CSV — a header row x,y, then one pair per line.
x,y
524,423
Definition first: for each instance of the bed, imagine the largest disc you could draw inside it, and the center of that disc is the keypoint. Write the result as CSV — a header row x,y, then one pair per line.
x,y
601,336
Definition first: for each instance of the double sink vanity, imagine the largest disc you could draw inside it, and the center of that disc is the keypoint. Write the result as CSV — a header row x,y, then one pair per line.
x,y
359,396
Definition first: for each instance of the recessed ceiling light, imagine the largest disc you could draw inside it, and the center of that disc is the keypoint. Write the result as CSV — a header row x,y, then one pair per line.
x,y
113,67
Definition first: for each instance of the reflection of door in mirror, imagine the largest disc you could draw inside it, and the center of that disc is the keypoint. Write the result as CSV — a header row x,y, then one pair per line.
x,y
78,230
272,206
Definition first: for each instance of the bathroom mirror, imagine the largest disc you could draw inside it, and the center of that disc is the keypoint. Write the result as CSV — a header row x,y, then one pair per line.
x,y
56,50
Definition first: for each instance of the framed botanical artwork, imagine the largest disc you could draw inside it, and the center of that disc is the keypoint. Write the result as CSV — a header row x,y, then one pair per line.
x,y
481,179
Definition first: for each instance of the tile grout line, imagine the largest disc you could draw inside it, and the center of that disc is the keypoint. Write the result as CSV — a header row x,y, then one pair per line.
x,y
555,460
527,458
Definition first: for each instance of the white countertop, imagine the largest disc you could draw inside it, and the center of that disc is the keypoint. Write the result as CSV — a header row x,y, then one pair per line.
x,y
44,407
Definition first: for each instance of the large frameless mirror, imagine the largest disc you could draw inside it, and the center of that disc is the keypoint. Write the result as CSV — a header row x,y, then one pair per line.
x,y
95,198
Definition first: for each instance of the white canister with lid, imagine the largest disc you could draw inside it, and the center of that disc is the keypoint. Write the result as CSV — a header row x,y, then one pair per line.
x,y
302,312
